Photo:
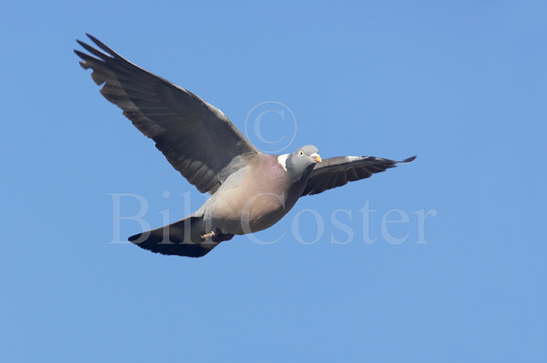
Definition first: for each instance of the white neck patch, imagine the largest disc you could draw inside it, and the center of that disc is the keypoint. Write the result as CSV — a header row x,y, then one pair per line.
x,y
282,160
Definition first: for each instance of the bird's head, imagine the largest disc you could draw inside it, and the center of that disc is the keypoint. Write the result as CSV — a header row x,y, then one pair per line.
x,y
302,161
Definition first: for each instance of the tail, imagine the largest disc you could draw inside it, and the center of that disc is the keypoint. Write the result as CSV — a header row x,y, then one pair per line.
x,y
182,238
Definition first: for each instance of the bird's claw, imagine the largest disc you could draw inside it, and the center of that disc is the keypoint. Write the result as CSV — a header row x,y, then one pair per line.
x,y
217,235
211,234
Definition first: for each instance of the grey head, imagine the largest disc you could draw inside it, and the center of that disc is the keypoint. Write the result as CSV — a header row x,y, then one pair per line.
x,y
301,162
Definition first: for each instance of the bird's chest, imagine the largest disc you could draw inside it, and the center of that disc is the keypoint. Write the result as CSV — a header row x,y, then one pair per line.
x,y
251,200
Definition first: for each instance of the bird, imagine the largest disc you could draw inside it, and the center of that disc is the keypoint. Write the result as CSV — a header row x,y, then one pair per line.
x,y
249,190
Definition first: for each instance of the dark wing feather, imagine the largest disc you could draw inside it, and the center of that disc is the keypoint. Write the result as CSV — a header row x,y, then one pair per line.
x,y
338,171
195,137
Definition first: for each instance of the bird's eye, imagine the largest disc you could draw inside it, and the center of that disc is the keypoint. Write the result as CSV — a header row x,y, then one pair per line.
x,y
300,153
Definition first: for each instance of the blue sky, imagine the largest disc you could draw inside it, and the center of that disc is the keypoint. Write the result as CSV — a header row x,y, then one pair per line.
x,y
461,84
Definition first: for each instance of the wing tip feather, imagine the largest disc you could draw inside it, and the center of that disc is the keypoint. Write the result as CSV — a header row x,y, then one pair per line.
x,y
408,160
103,46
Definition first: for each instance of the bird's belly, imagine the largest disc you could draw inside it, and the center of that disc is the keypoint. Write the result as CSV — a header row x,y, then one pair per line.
x,y
252,199
259,211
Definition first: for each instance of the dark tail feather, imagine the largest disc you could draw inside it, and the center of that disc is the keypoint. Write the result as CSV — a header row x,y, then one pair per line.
x,y
182,238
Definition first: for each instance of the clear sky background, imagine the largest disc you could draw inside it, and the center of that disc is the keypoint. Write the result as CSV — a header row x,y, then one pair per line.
x,y
462,84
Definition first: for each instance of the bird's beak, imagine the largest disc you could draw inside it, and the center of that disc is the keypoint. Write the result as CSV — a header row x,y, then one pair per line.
x,y
315,157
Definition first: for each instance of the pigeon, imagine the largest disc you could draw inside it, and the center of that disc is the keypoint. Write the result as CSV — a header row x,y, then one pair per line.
x,y
249,190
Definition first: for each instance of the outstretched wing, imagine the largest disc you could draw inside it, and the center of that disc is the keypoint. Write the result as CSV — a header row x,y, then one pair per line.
x,y
195,137
338,171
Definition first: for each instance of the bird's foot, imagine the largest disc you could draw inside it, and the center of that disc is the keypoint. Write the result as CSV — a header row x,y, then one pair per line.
x,y
216,235
211,234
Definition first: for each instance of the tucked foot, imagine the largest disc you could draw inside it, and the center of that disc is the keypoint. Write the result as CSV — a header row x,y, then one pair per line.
x,y
205,236
216,235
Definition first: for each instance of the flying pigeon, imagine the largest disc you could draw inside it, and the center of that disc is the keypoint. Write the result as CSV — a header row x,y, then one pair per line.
x,y
250,190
